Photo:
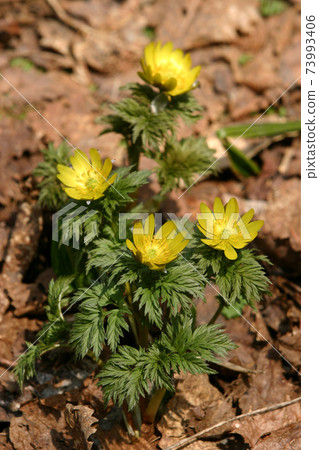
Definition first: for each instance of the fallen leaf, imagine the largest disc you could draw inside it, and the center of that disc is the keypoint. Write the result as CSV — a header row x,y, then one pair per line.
x,y
284,438
196,405
79,419
39,427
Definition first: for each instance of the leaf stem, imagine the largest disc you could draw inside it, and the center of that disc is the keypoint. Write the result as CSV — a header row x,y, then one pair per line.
x,y
144,335
217,313
131,317
98,361
154,403
134,155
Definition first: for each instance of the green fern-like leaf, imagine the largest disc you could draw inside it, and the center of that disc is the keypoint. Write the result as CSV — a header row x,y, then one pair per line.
x,y
126,183
88,332
177,286
105,254
134,119
128,373
101,319
116,324
51,194
122,377
243,278
58,296
51,336
183,161
25,369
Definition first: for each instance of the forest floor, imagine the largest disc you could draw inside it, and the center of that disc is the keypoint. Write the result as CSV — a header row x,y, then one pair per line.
x,y
62,63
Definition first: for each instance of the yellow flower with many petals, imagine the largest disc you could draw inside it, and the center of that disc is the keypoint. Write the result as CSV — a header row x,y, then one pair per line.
x,y
86,181
225,229
155,251
168,69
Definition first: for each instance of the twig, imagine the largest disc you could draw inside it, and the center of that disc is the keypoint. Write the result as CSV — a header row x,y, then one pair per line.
x,y
286,160
236,367
193,438
64,17
85,29
7,363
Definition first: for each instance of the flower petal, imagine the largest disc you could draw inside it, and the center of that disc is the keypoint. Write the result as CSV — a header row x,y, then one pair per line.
x,y
221,245
254,227
187,62
67,175
246,218
211,242
149,53
79,161
107,167
208,234
218,206
165,231
238,243
177,56
193,74
67,180
111,179
149,225
170,84
157,80
165,52
96,159
138,236
131,246
178,244
97,194
144,77
230,252
204,208
77,194
232,207
206,220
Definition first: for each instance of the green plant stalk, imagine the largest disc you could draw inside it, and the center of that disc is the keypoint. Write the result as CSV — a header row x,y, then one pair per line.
x,y
131,318
144,336
140,331
98,361
134,151
154,403
137,417
217,313
129,429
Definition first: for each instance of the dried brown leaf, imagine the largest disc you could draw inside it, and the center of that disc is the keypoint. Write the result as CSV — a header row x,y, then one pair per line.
x,y
196,405
79,419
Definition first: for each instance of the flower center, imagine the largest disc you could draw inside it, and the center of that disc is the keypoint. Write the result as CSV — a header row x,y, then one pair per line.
x,y
154,249
219,227
224,228
169,69
91,182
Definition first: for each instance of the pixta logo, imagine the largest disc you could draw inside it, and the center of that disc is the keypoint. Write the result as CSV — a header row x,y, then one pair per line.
x,y
74,223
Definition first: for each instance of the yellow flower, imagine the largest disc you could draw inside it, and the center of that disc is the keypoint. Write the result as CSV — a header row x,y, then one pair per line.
x,y
168,69
225,229
159,250
86,181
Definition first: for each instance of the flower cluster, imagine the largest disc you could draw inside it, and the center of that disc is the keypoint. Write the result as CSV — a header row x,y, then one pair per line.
x,y
224,229
138,318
